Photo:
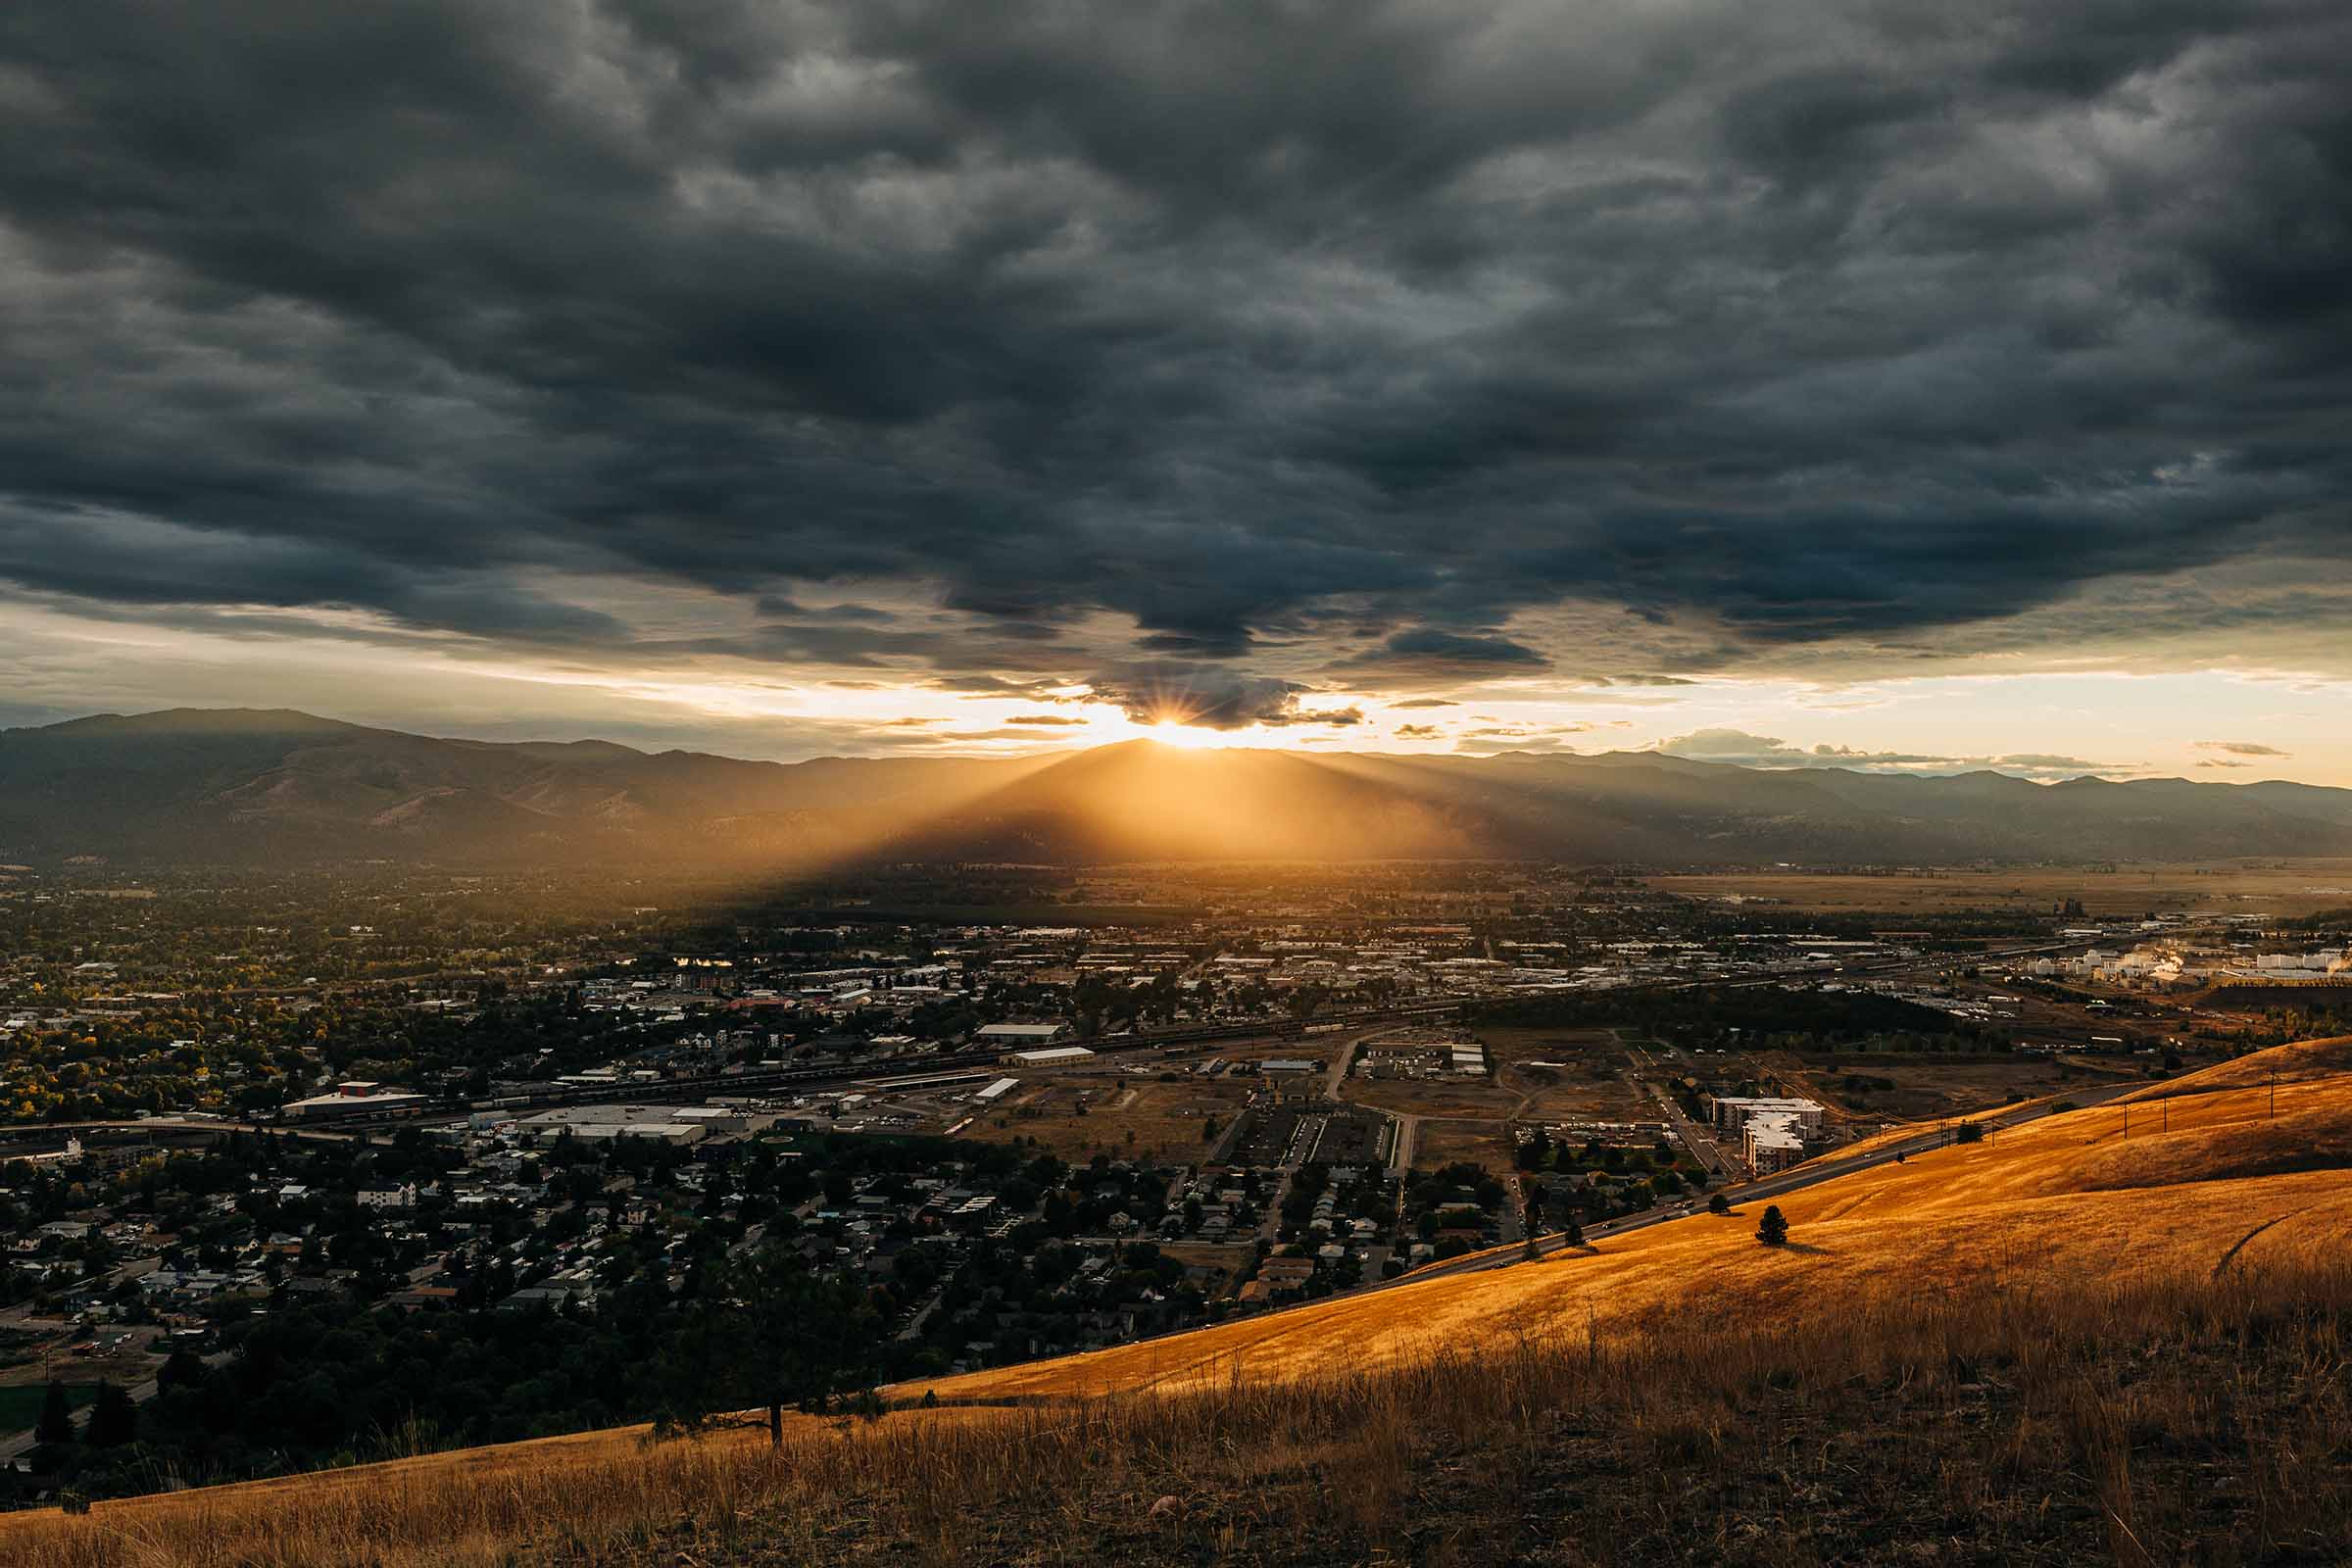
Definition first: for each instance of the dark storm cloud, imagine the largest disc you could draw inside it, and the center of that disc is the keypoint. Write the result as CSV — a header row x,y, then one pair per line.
x,y
1305,337
1337,718
1213,696
1425,657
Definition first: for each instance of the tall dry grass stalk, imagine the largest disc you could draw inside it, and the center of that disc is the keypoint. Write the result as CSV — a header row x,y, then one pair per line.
x,y
2098,1374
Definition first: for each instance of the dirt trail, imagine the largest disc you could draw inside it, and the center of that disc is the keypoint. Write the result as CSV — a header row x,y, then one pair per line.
x,y
2240,1244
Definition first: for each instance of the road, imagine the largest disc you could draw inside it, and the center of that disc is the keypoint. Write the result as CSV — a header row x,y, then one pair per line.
x,y
1408,1133
1699,1142
1811,1174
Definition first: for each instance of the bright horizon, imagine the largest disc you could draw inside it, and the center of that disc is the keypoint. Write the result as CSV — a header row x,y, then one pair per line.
x,y
1084,724
1800,388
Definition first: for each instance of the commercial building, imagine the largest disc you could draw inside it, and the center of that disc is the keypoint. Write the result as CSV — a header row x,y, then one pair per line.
x,y
1021,1033
1733,1112
1771,1142
1051,1055
353,1099
669,1125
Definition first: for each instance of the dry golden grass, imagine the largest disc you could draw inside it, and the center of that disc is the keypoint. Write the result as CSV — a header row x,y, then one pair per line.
x,y
2300,1063
2041,1197
2060,1232
2099,1382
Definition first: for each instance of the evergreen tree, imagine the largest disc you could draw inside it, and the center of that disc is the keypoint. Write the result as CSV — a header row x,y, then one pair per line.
x,y
57,1421
1575,1233
114,1418
183,1369
770,1334
1773,1231
1719,1204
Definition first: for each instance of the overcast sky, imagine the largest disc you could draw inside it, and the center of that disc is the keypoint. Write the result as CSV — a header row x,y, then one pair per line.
x,y
1903,385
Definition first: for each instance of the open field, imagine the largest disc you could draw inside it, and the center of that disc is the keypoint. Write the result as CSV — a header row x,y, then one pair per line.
x,y
1221,1265
21,1402
1478,1142
2098,1298
2283,887
1586,1076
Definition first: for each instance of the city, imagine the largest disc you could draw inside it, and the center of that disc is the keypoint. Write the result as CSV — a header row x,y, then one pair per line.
x,y
1288,784
1018,1141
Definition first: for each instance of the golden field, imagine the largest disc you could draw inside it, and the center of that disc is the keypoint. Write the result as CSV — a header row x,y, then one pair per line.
x,y
2064,1196
2212,1209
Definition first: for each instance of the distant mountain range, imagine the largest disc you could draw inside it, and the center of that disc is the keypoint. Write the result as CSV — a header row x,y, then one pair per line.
x,y
275,787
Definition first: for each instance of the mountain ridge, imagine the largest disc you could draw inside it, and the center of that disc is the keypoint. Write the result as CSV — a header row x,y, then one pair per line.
x,y
278,786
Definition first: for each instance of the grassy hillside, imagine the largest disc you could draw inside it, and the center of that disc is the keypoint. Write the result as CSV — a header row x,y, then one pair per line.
x,y
2062,1345
2046,1201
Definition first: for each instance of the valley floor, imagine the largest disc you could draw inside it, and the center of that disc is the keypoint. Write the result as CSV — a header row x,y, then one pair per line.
x,y
2083,1340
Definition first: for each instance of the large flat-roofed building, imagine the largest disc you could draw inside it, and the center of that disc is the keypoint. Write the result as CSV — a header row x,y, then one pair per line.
x,y
1733,1112
1771,1142
1051,1055
353,1099
669,1125
1022,1034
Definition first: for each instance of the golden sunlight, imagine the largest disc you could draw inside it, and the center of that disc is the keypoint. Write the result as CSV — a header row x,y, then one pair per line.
x,y
1190,736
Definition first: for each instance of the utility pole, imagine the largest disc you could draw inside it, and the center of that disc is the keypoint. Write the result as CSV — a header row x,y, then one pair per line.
x,y
2273,1094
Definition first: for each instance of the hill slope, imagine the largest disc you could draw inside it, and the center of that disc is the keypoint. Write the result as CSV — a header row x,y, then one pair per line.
x,y
2058,1347
277,787
2067,1197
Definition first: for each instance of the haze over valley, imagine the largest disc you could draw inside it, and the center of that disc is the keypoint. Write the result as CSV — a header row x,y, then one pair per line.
x,y
1256,785
273,787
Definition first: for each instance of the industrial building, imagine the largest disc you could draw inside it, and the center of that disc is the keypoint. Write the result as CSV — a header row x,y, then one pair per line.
x,y
355,1097
1049,1057
1021,1033
669,1125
